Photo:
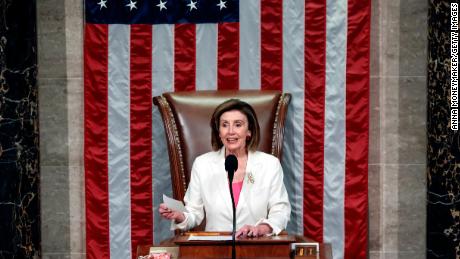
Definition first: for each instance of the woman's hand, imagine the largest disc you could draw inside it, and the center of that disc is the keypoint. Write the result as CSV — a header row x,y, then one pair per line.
x,y
254,231
167,213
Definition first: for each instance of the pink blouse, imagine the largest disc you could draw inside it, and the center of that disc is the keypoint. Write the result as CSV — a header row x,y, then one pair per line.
x,y
236,187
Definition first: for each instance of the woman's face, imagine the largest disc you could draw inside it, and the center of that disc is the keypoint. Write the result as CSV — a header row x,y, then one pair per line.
x,y
233,131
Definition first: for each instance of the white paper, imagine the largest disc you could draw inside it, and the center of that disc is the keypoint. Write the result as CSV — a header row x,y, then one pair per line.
x,y
210,238
173,204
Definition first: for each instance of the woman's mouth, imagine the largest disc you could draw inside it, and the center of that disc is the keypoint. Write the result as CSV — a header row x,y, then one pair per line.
x,y
232,140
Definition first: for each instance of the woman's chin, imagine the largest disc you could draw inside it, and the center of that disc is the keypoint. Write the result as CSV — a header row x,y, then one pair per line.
x,y
234,148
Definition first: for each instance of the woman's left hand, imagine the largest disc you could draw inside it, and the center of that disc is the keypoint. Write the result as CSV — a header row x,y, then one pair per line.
x,y
253,231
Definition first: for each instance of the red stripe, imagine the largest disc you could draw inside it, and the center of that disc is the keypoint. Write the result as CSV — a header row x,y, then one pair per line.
x,y
141,136
184,57
96,141
228,56
357,129
315,76
271,21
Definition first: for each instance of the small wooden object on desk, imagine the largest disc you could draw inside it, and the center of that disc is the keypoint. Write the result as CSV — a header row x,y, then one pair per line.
x,y
305,250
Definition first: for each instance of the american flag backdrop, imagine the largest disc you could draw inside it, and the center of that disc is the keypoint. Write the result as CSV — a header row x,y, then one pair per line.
x,y
317,50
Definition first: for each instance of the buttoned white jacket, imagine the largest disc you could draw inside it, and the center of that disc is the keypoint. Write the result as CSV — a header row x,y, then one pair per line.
x,y
263,197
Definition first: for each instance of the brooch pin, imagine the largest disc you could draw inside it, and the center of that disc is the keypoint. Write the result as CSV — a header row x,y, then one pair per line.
x,y
250,177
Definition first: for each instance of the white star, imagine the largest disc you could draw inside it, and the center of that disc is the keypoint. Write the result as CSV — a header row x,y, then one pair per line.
x,y
102,4
221,4
192,5
132,5
162,5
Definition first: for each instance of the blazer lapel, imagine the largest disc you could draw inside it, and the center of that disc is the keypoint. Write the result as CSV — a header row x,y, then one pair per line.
x,y
251,167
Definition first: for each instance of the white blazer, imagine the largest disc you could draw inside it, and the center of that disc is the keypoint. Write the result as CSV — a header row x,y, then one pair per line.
x,y
262,200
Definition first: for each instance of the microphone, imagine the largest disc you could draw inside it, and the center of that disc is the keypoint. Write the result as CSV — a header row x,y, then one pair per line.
x,y
231,165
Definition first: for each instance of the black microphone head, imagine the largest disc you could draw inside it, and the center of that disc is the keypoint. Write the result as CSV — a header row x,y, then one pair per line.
x,y
231,164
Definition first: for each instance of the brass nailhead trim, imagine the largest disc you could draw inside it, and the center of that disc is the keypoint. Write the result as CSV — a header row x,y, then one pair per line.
x,y
176,139
275,125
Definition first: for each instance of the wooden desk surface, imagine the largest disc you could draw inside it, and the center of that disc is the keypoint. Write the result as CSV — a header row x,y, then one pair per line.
x,y
183,239
325,249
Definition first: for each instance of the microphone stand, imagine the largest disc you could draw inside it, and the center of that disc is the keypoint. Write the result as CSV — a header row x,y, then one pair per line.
x,y
231,165
234,220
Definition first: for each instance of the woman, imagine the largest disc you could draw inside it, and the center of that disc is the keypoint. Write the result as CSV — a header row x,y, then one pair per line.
x,y
261,201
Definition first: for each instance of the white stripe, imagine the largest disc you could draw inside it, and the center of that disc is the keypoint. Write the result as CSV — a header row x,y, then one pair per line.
x,y
334,128
119,142
162,58
293,82
206,56
162,81
249,71
161,177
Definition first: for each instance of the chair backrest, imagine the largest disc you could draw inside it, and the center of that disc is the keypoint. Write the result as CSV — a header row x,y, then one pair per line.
x,y
187,115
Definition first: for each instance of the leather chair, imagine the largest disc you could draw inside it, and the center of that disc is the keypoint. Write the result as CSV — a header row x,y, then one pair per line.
x,y
187,115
